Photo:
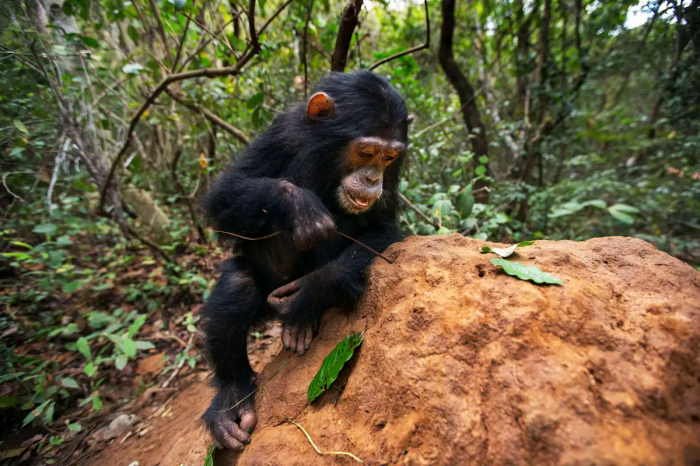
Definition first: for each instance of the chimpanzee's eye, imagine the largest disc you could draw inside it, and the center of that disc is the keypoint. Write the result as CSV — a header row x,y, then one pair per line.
x,y
367,152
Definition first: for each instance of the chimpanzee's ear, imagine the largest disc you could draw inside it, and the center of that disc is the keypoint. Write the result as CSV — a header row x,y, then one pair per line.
x,y
320,105
410,119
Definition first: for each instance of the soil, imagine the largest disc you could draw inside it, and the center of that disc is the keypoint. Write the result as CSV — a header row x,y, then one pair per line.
x,y
463,364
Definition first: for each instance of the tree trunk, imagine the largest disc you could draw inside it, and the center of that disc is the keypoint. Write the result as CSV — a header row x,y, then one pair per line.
x,y
348,23
465,91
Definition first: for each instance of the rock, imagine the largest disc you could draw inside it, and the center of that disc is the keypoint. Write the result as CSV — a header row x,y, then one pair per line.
x,y
118,426
463,364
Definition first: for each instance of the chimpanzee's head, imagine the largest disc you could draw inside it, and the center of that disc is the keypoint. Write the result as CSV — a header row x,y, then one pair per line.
x,y
356,125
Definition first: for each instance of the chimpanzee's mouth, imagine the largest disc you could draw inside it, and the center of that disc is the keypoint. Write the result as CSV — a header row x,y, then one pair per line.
x,y
355,204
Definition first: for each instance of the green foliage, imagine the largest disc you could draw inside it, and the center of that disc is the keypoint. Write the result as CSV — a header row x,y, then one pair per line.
x,y
332,365
525,272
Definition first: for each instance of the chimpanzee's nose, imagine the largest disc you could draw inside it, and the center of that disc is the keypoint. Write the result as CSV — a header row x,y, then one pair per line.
x,y
372,178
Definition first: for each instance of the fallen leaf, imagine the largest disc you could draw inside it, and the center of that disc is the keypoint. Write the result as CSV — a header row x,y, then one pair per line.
x,y
152,364
505,252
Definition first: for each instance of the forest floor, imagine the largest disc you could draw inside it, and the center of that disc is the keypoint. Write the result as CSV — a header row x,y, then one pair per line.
x,y
149,429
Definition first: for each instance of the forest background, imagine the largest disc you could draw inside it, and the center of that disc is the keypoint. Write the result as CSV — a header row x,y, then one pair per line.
x,y
534,119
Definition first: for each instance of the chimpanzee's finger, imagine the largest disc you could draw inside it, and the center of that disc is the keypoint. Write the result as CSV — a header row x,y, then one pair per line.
x,y
300,342
249,419
239,434
288,289
295,336
225,439
309,337
317,324
217,444
287,338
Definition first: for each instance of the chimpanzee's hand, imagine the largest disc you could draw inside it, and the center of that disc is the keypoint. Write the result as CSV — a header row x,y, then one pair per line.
x,y
287,300
230,426
310,222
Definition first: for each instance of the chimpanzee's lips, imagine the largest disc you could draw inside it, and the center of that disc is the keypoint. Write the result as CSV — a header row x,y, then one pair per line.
x,y
355,202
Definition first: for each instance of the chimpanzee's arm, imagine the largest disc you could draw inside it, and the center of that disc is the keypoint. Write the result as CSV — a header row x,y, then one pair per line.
x,y
340,281
248,200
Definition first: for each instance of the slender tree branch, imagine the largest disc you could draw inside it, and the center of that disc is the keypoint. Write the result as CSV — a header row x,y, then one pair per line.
x,y
418,48
348,23
182,43
303,57
415,208
209,115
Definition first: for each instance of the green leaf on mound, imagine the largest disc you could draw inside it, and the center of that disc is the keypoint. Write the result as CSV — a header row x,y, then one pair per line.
x,y
524,272
333,364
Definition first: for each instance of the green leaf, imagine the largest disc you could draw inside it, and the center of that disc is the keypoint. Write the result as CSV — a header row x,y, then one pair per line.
x,y
90,369
179,4
84,348
480,170
144,345
129,347
20,126
75,427
69,382
621,216
332,365
465,202
131,31
133,328
255,100
70,287
49,229
442,207
483,160
96,403
120,362
595,203
67,8
621,212
90,41
48,413
35,412
505,252
524,272
209,460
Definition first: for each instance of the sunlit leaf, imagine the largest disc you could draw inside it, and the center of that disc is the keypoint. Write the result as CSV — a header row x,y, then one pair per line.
x,y
84,347
121,361
49,229
525,272
505,252
20,126
332,365
129,347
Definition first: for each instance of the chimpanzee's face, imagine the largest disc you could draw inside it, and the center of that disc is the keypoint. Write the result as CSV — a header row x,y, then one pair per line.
x,y
365,161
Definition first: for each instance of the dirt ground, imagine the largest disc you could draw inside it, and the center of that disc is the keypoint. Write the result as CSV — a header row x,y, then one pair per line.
x,y
463,364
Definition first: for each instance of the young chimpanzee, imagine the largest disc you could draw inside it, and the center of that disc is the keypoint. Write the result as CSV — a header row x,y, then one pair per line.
x,y
331,163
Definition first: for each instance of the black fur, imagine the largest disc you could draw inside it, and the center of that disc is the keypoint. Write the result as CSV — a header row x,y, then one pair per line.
x,y
252,198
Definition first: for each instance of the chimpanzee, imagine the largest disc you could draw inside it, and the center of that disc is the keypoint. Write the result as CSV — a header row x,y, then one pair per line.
x,y
330,163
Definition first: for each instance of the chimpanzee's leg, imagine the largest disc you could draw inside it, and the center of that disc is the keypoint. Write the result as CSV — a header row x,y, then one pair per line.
x,y
235,304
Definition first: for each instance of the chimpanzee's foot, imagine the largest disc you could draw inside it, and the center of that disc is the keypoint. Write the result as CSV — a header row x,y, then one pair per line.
x,y
298,338
230,427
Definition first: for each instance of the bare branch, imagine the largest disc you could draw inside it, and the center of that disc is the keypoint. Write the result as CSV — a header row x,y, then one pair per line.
x,y
348,23
233,70
426,45
182,42
306,31
211,116
419,212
